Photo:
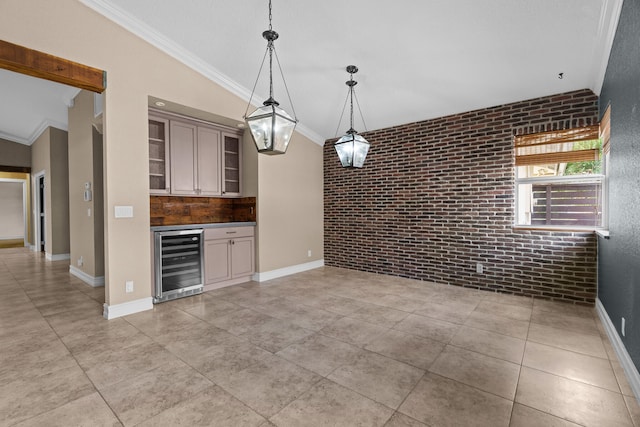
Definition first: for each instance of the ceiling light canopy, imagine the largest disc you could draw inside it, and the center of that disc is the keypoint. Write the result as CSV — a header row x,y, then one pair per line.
x,y
271,127
352,148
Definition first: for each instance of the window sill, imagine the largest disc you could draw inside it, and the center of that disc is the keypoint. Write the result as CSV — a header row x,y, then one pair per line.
x,y
558,229
601,232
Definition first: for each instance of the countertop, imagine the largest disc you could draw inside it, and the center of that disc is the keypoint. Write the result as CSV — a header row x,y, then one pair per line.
x,y
195,226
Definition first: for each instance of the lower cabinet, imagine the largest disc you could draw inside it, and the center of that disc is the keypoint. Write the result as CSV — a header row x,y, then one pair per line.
x,y
229,256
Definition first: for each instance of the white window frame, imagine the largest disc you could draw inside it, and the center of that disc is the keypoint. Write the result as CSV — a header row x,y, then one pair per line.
x,y
571,179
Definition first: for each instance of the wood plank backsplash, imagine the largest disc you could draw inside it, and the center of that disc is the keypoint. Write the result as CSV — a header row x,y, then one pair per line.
x,y
176,210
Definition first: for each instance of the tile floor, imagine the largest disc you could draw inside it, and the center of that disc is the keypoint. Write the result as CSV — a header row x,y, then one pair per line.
x,y
327,347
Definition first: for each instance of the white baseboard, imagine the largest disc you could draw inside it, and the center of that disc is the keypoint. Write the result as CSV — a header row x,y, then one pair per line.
x,y
21,237
281,272
87,278
57,257
126,308
630,370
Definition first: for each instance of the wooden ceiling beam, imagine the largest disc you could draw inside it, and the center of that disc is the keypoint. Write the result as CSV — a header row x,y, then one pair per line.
x,y
39,64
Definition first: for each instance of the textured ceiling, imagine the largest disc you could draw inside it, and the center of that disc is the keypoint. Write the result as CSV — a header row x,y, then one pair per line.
x,y
417,59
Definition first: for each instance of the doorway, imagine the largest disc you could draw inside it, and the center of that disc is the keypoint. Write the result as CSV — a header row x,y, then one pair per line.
x,y
39,212
13,212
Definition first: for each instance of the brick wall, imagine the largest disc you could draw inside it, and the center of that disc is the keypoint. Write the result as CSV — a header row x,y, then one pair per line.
x,y
436,197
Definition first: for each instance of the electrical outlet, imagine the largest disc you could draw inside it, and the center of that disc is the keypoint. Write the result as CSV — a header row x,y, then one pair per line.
x,y
128,286
479,268
80,262
622,329
309,253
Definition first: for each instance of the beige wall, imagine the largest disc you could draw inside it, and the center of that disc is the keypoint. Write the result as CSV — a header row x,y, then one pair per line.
x,y
290,206
136,70
85,165
14,154
41,162
49,154
59,192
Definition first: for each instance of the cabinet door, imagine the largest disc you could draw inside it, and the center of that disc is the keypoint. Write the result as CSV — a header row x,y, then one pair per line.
x,y
242,254
208,162
158,155
184,151
217,260
231,172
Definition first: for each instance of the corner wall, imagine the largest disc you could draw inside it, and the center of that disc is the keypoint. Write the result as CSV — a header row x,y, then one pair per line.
x,y
619,256
436,197
49,153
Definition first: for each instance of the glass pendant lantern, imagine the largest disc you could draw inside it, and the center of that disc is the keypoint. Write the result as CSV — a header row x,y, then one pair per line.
x,y
271,127
352,148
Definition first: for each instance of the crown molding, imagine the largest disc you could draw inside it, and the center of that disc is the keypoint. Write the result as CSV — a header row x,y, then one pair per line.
x,y
609,18
46,123
168,46
14,138
35,134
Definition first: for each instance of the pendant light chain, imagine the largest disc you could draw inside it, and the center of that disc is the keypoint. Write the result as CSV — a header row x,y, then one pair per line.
x,y
351,96
270,16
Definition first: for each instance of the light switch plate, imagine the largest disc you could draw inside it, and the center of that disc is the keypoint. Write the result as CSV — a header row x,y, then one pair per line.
x,y
124,211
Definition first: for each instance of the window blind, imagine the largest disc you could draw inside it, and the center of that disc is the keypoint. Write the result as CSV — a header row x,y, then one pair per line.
x,y
557,146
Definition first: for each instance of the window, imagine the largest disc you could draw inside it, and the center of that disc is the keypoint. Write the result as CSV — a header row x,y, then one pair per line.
x,y
560,179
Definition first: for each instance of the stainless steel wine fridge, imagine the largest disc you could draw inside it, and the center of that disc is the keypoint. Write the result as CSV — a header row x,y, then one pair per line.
x,y
179,269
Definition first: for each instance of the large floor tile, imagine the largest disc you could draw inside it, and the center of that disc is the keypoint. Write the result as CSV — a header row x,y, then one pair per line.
x,y
329,404
575,366
353,331
241,321
448,310
477,370
588,344
490,343
439,401
426,327
212,406
404,347
571,400
523,416
562,320
515,312
384,380
90,410
269,385
26,397
400,420
320,354
379,315
275,334
113,366
144,396
494,323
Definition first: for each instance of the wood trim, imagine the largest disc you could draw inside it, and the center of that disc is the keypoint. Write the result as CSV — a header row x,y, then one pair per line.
x,y
19,169
39,64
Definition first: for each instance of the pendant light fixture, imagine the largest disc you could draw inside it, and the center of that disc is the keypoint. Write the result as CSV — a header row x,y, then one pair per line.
x,y
352,148
271,127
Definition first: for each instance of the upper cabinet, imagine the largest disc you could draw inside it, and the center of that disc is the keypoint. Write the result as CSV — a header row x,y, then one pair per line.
x,y
198,158
232,151
158,155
